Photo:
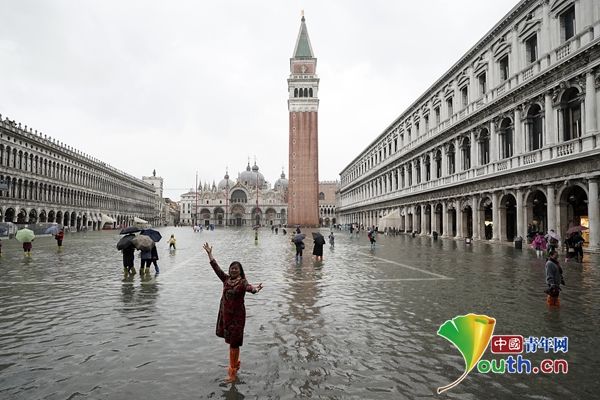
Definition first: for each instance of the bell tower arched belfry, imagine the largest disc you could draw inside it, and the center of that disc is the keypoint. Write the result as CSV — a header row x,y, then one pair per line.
x,y
303,107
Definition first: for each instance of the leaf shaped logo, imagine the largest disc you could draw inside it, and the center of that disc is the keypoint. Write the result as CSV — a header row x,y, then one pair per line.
x,y
470,334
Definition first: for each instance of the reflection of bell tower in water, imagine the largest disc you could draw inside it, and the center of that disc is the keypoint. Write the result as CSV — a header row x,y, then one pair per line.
x,y
303,106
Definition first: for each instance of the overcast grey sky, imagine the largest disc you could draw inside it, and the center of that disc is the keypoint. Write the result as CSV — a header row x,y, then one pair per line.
x,y
186,86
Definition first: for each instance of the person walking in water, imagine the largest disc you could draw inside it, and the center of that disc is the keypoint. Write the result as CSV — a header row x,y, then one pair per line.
x,y
554,279
146,256
59,238
232,311
299,243
539,244
371,236
27,246
128,258
319,241
331,240
172,241
154,259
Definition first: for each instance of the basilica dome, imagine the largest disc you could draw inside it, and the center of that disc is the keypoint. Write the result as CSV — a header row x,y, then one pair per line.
x,y
249,177
282,183
226,182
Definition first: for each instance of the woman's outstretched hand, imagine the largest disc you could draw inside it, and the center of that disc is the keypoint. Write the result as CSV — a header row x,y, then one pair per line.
x,y
208,249
259,287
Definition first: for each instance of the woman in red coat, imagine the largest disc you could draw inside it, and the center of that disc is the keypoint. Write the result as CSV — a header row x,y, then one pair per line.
x,y
232,312
59,238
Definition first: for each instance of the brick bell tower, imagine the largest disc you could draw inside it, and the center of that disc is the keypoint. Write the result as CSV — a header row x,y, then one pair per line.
x,y
303,107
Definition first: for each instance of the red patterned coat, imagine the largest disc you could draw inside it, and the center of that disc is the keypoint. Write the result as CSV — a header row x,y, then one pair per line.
x,y
232,312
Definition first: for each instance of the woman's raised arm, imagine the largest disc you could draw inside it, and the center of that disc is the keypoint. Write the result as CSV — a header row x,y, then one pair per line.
x,y
213,263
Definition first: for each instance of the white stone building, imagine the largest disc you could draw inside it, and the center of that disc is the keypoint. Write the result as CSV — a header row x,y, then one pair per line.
x,y
247,201
506,139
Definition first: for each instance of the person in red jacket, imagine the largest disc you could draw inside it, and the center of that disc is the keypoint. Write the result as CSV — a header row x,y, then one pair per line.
x,y
59,238
232,312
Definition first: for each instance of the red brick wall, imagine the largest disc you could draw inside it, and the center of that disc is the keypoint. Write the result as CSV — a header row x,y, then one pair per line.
x,y
303,186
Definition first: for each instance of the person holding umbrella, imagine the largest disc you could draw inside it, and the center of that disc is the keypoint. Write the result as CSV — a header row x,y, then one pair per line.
x,y
371,236
298,240
156,237
146,256
574,244
26,236
59,238
319,241
232,311
128,249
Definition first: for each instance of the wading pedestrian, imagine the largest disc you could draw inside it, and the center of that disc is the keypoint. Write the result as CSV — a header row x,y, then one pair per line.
x,y
554,279
59,238
232,311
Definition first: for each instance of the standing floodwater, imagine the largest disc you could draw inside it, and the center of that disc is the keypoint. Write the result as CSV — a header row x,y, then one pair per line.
x,y
360,325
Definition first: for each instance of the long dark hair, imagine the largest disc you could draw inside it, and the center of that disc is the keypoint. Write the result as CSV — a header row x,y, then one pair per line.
x,y
239,265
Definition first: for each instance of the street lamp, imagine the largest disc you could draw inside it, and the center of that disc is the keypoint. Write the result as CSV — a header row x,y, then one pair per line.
x,y
226,194
195,217
257,217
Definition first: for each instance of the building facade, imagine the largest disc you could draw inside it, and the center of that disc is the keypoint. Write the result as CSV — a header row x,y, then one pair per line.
x,y
303,107
328,202
504,142
247,201
44,180
160,207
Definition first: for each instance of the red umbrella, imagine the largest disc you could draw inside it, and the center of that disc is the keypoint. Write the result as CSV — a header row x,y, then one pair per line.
x,y
577,228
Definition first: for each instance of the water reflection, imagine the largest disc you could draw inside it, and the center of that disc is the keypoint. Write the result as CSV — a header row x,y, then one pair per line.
x,y
232,394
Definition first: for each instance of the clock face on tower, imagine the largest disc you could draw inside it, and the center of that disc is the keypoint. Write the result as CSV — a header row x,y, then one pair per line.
x,y
303,69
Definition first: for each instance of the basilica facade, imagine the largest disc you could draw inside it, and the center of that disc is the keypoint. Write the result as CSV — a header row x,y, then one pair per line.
x,y
248,201
505,142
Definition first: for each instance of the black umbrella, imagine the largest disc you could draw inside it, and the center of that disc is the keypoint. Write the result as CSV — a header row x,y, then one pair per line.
x,y
318,238
130,229
125,242
154,235
298,237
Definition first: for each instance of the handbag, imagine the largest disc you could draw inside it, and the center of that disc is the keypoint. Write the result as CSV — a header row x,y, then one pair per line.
x,y
302,246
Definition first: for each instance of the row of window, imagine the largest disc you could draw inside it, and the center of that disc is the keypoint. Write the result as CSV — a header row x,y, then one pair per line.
x,y
566,25
570,116
43,192
534,136
303,92
10,157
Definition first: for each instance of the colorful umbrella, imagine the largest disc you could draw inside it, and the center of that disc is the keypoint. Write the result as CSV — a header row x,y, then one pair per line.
x,y
25,235
553,235
577,228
